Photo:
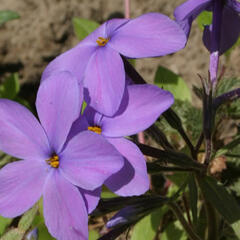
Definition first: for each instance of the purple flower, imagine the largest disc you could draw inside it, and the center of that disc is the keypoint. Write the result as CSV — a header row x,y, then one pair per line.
x,y
65,173
227,19
141,106
97,59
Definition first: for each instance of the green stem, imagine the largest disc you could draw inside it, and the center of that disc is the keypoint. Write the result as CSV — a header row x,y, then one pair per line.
x,y
178,212
212,220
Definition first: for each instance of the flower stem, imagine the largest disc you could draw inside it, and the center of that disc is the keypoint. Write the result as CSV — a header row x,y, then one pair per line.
x,y
127,8
178,212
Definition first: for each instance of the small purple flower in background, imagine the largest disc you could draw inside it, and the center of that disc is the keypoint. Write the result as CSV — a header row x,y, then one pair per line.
x,y
221,34
141,106
230,20
97,59
66,173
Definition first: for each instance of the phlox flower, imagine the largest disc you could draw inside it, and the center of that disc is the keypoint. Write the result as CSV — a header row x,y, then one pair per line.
x,y
97,59
141,106
227,18
65,172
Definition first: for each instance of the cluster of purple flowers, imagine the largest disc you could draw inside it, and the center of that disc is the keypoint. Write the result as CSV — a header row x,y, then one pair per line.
x,y
68,155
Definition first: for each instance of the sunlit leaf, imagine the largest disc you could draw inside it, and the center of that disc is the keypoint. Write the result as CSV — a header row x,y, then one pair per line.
x,y
83,27
13,234
7,15
27,219
174,231
11,86
148,226
168,80
4,223
204,18
106,193
93,235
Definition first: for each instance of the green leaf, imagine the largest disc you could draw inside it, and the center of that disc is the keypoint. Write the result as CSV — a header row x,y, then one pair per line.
x,y
221,199
11,87
13,234
168,80
236,228
106,193
93,235
148,226
84,105
43,233
205,18
193,198
174,231
27,219
83,27
4,223
7,15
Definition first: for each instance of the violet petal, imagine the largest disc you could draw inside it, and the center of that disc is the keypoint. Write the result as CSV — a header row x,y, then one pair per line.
x,y
143,106
105,80
21,135
65,212
149,35
21,185
58,105
132,179
88,160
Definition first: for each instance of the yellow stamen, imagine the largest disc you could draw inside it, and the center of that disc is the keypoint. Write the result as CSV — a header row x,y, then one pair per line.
x,y
53,161
95,129
102,41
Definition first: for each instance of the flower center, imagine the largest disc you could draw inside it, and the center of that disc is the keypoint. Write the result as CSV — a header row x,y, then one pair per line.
x,y
53,161
102,41
95,129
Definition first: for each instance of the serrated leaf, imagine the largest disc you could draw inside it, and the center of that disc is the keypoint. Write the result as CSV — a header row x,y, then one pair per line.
x,y
168,80
221,199
4,223
27,219
11,87
203,19
227,84
83,27
7,15
13,234
148,226
93,235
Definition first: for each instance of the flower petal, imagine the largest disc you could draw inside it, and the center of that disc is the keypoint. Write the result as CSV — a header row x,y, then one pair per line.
x,y
81,124
74,60
21,135
190,9
138,111
105,80
235,5
88,160
229,35
91,198
113,25
58,105
149,35
65,212
132,179
21,185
